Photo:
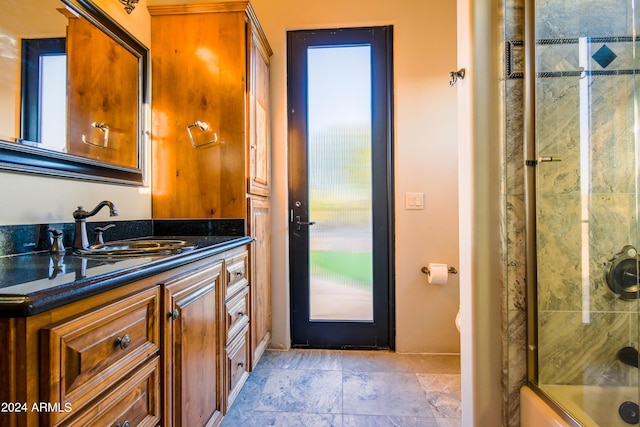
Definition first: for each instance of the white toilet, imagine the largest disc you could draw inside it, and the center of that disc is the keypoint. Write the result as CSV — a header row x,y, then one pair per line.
x,y
458,320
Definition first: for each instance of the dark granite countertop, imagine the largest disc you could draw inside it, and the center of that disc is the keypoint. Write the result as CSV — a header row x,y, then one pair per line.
x,y
34,282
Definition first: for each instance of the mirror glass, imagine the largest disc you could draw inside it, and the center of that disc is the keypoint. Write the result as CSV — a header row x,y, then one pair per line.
x,y
73,85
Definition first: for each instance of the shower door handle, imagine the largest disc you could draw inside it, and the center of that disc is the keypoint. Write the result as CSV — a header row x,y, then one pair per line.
x,y
542,159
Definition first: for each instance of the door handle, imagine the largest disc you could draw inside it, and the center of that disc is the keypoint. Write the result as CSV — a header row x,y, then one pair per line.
x,y
542,159
299,223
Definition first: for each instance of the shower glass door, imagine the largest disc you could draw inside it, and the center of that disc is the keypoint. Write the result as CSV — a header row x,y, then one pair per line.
x,y
586,208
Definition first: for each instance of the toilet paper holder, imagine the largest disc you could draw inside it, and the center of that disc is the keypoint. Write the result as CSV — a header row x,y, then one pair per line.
x,y
451,270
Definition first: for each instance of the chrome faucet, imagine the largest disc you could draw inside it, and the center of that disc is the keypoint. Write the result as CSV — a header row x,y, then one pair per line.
x,y
80,240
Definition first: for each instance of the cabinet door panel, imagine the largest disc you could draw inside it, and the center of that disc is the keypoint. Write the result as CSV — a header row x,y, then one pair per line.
x,y
199,74
260,283
91,97
193,348
260,155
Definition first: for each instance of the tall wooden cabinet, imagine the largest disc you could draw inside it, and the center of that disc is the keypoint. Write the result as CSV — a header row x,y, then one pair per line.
x,y
210,140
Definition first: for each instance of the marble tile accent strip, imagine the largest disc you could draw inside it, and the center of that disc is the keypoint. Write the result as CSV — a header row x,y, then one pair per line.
x,y
608,56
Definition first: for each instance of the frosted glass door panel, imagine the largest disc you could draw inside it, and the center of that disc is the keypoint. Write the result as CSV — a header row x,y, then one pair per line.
x,y
339,173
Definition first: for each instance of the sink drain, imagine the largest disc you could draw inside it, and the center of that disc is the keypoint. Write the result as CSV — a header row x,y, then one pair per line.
x,y
629,412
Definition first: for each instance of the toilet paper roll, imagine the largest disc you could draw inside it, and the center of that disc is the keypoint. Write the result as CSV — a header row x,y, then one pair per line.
x,y
438,273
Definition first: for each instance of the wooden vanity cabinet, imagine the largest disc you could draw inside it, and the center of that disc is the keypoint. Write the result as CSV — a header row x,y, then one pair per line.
x,y
210,63
167,350
91,362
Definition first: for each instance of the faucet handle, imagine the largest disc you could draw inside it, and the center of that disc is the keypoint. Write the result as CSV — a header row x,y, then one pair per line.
x,y
56,246
98,231
54,232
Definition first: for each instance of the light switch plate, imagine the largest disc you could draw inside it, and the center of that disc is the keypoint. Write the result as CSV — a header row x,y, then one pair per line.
x,y
414,201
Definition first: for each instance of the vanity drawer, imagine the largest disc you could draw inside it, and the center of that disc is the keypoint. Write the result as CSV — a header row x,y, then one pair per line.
x,y
136,401
237,365
84,356
237,313
236,271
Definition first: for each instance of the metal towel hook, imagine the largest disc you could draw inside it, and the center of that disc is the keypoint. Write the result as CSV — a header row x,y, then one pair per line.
x,y
105,129
455,75
203,126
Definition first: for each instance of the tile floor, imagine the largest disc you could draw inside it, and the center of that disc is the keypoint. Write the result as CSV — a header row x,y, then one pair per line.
x,y
346,388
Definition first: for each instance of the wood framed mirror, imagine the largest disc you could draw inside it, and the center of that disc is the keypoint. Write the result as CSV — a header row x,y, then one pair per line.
x,y
75,87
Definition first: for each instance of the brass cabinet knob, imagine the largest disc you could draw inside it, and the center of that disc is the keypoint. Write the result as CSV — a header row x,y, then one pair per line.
x,y
175,314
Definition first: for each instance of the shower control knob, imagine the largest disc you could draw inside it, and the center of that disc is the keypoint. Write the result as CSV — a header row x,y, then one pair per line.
x,y
621,273
629,412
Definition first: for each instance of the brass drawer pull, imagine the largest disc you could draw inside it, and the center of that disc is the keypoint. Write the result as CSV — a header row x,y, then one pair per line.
x,y
124,424
241,364
239,273
123,342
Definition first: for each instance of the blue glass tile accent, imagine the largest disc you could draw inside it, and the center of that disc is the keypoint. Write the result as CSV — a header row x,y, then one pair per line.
x,y
604,56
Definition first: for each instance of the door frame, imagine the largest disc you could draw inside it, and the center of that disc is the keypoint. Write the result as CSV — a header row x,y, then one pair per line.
x,y
382,133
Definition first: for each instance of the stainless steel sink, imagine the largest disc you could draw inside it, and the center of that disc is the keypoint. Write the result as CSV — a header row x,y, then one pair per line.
x,y
137,247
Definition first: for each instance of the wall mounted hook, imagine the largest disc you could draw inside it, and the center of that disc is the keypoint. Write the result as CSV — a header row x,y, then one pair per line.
x,y
455,75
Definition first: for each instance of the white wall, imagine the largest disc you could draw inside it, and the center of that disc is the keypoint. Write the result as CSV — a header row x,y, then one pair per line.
x,y
425,155
28,199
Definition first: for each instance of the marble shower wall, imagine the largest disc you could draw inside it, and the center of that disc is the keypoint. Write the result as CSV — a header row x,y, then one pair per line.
x,y
514,286
582,324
